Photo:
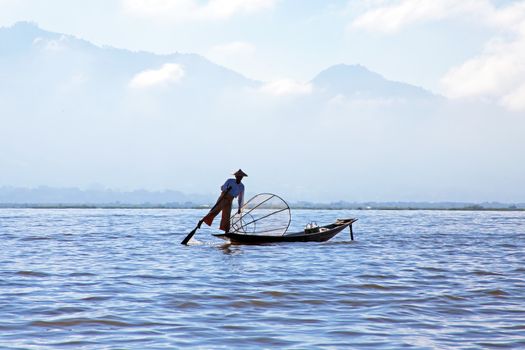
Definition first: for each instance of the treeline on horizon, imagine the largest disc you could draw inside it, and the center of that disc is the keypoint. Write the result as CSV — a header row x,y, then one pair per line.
x,y
295,205
52,197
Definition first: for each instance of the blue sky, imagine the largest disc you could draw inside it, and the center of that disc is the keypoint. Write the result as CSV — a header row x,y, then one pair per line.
x,y
435,44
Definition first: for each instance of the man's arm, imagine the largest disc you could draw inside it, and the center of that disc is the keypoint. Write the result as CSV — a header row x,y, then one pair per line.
x,y
240,200
225,186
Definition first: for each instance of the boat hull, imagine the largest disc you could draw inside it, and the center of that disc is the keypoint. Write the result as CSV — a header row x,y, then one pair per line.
x,y
325,233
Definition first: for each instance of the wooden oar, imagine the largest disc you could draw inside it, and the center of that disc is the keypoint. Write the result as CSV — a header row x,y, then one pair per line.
x,y
190,235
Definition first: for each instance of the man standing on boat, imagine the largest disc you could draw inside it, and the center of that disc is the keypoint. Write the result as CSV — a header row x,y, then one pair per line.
x,y
231,189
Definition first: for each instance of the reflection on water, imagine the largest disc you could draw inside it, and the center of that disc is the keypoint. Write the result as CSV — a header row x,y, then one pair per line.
x,y
229,249
92,279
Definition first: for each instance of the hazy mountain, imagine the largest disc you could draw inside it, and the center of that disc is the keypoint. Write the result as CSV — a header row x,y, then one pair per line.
x,y
38,58
30,55
358,81
73,113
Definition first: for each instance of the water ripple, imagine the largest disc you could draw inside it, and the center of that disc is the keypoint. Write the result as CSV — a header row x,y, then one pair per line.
x,y
72,322
113,279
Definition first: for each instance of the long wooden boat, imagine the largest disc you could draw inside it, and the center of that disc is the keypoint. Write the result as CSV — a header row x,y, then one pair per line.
x,y
320,234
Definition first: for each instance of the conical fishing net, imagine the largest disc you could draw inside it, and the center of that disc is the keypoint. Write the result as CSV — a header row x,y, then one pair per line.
x,y
264,214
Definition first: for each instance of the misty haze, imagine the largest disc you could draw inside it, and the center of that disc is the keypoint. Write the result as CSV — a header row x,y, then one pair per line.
x,y
75,114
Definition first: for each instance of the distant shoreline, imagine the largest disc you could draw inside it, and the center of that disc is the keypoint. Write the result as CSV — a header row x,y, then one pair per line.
x,y
298,207
44,197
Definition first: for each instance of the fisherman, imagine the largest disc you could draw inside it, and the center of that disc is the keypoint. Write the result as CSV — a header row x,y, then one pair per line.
x,y
231,189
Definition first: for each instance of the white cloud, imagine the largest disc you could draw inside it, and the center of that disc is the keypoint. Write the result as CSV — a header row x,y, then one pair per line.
x,y
393,17
497,73
285,87
168,73
515,101
190,10
510,18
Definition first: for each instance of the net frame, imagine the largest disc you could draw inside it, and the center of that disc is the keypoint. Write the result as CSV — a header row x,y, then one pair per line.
x,y
240,225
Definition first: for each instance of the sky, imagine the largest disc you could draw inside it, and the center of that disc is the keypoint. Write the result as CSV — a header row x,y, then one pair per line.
x,y
472,48
472,52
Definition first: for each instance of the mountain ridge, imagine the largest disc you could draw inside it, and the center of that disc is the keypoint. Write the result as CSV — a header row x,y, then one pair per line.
x,y
27,36
349,80
357,79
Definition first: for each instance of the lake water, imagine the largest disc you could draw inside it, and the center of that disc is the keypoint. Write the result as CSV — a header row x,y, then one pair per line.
x,y
119,279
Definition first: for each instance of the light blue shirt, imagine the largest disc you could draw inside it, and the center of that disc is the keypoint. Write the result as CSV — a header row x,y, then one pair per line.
x,y
236,190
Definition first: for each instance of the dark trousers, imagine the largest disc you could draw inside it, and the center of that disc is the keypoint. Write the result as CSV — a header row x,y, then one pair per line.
x,y
223,204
